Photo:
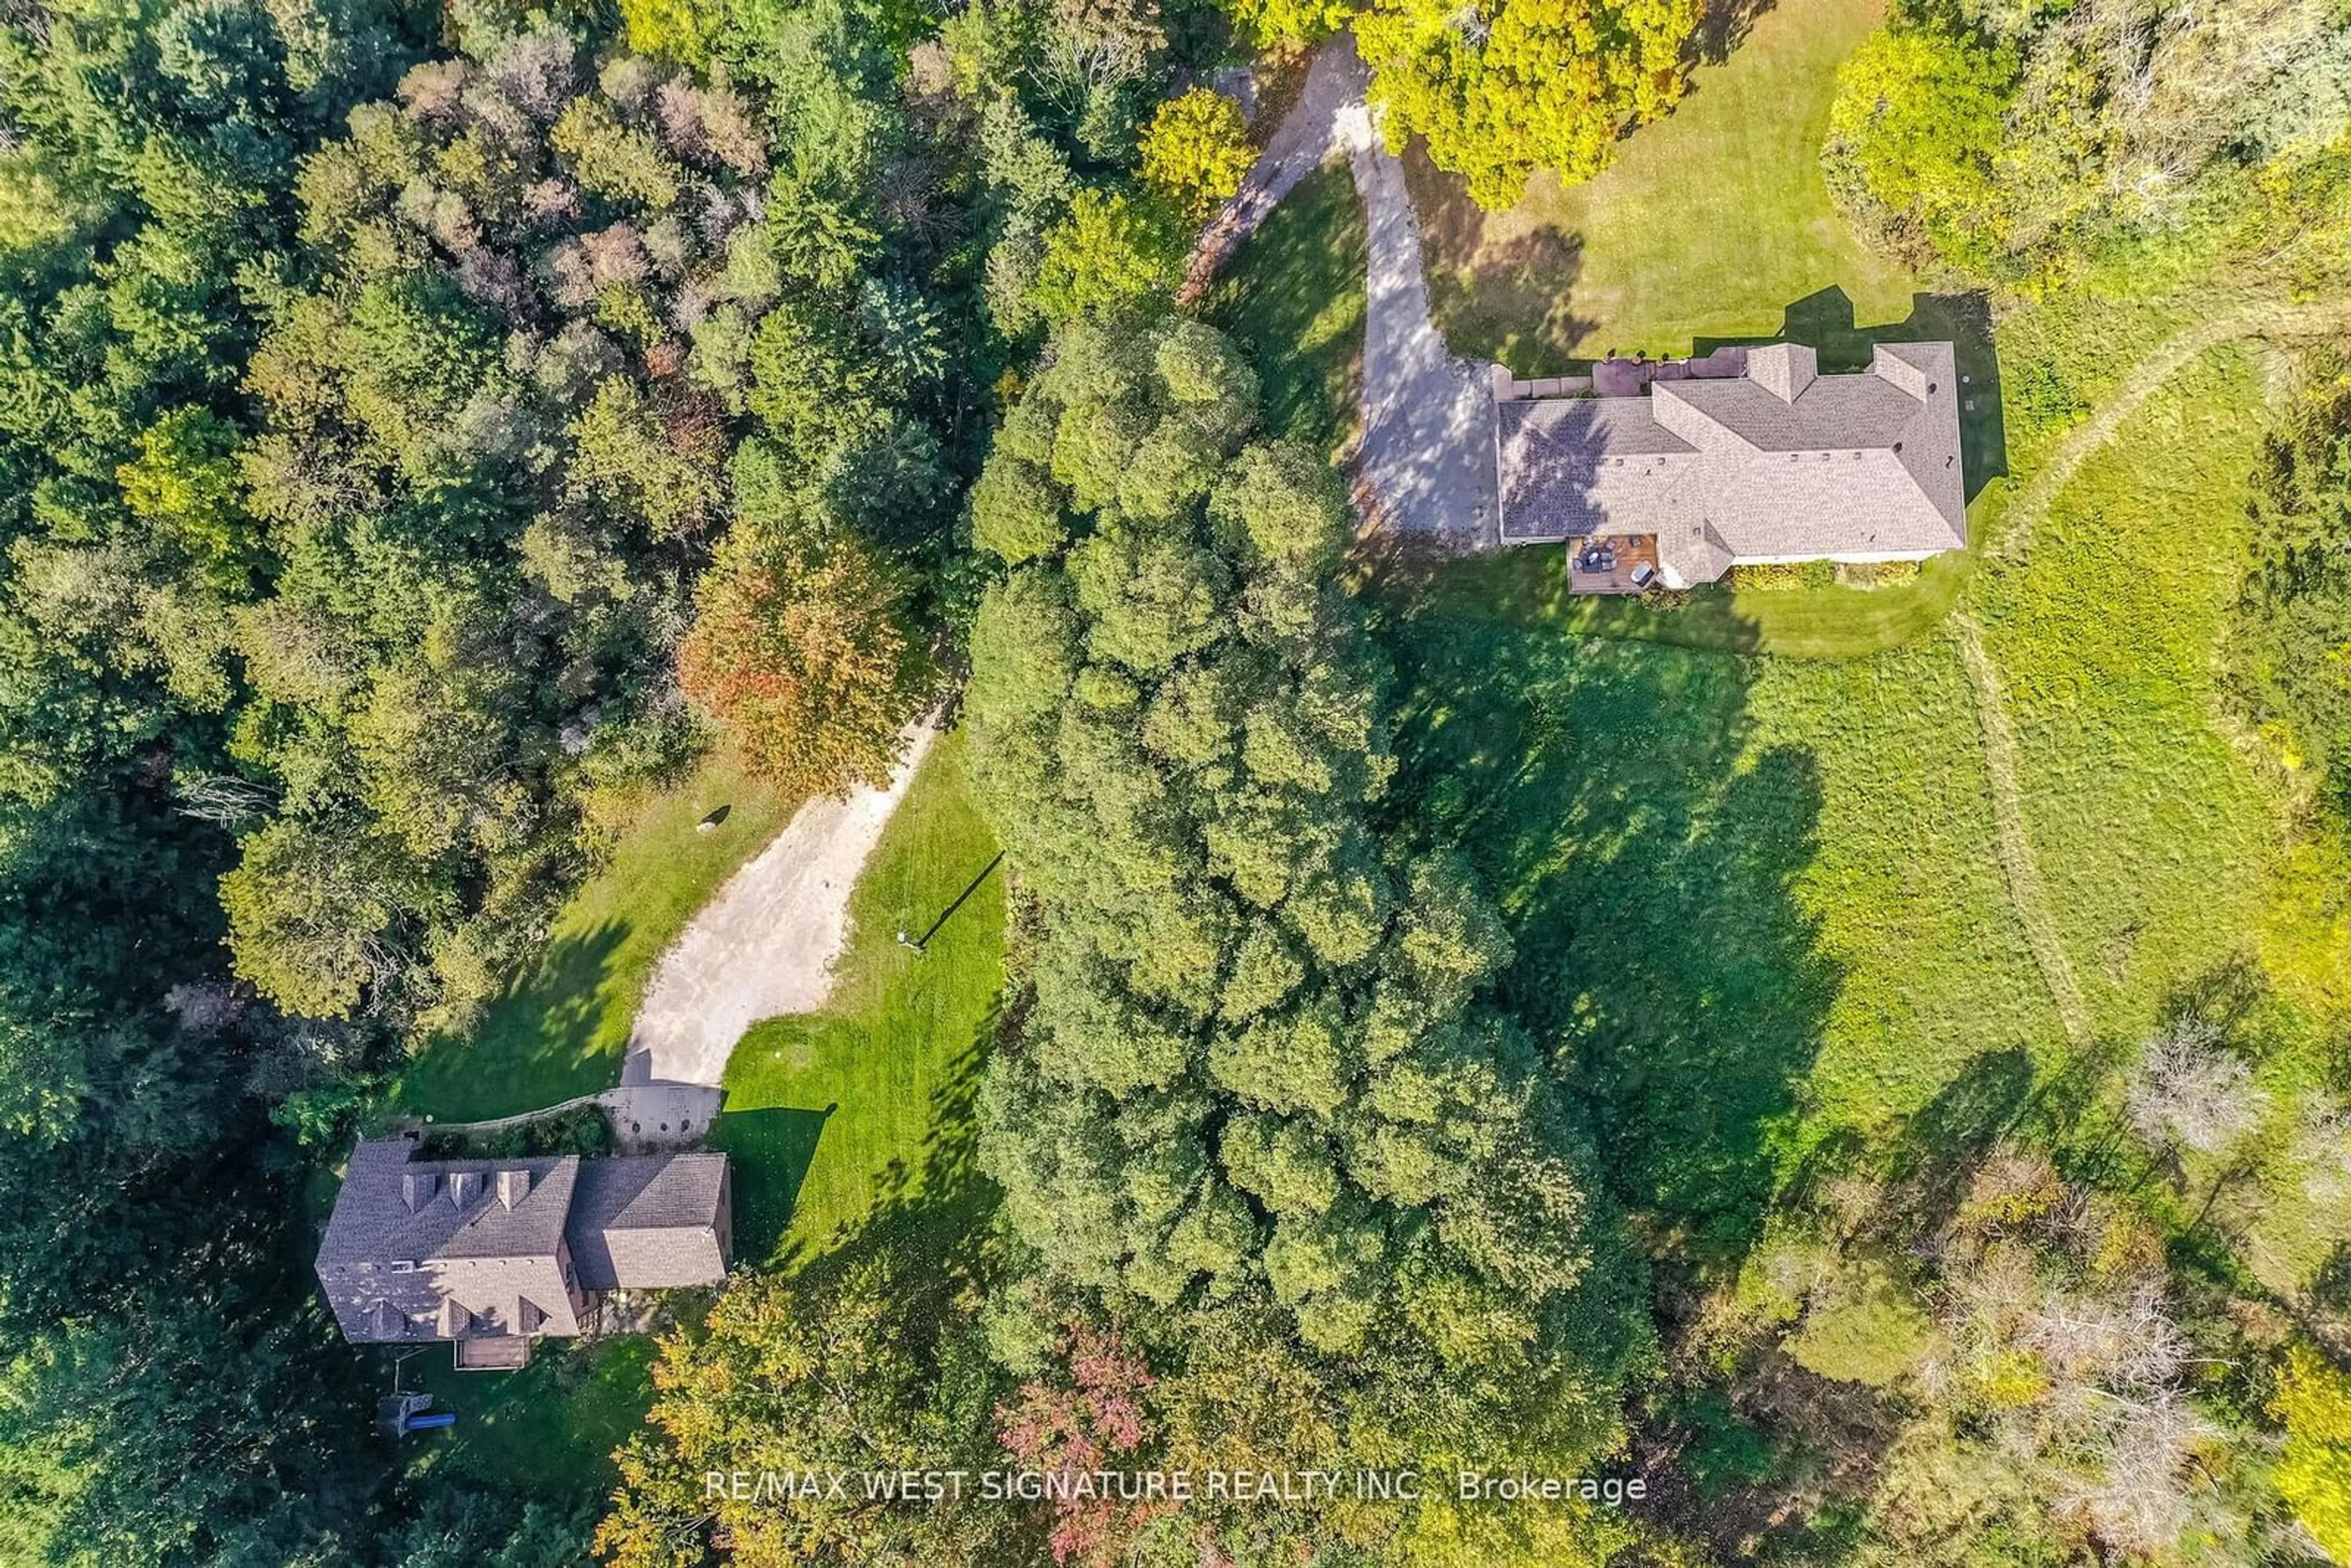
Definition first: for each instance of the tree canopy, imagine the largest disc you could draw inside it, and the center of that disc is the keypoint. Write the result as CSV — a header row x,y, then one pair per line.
x,y
1504,88
1256,1067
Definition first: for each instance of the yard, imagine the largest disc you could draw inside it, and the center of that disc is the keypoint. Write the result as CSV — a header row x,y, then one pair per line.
x,y
561,1025
548,1430
863,1110
1748,845
1760,903
1708,225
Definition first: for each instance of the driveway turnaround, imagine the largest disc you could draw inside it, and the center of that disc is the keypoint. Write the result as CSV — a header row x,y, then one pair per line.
x,y
766,946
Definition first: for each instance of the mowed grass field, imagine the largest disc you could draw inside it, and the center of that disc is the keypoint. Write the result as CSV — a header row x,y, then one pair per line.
x,y
561,1027
863,1111
1710,223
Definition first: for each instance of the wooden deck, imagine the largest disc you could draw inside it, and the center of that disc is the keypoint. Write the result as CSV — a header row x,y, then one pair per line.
x,y
1631,552
506,1352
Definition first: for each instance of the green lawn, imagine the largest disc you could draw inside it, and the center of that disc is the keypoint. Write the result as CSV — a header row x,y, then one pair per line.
x,y
864,1108
561,1026
1708,225
1293,297
549,1429
1758,903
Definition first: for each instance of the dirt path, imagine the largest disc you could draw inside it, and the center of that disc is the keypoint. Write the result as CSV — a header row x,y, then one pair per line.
x,y
1307,135
765,946
2017,863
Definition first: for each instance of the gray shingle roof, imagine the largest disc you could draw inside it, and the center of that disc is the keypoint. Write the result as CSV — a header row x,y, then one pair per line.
x,y
1730,470
650,1222
463,1249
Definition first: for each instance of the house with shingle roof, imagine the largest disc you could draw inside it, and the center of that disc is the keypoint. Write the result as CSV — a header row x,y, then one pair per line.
x,y
492,1255
1778,465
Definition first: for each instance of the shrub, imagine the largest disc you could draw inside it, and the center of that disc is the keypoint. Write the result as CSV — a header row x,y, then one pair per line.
x,y
1865,1327
1878,573
1773,579
2313,1400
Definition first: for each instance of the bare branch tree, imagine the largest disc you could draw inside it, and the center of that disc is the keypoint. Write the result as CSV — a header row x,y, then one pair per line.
x,y
2189,1091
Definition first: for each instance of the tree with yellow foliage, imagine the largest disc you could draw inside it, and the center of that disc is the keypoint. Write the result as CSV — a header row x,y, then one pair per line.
x,y
1196,151
2313,1400
1503,88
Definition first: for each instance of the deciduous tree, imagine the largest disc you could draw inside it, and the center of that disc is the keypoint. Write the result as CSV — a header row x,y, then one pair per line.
x,y
802,654
1503,88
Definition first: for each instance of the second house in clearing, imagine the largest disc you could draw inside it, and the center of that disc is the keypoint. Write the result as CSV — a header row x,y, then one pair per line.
x,y
494,1255
1748,458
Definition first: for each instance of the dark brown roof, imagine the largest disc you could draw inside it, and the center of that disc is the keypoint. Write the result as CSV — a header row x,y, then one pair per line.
x,y
650,1222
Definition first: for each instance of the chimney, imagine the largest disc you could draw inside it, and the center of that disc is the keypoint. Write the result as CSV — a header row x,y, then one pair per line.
x,y
512,1185
1783,369
417,1188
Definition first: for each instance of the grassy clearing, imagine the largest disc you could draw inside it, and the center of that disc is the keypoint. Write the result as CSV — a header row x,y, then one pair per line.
x,y
1294,297
561,1026
1756,900
549,1429
1709,224
895,1055
1759,902
2156,835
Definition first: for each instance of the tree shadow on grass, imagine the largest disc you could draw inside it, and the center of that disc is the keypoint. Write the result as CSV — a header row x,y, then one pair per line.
x,y
1292,296
1721,30
1643,852
536,1042
1502,299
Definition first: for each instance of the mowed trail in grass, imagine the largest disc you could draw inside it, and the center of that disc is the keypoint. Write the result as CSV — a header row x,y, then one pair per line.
x,y
1709,225
2156,839
560,1026
834,1116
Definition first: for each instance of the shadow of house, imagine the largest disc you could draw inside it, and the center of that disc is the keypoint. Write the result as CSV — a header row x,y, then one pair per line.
x,y
1824,322
772,1150
1645,854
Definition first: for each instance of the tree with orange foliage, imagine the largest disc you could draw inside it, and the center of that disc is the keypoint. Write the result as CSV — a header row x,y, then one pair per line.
x,y
803,657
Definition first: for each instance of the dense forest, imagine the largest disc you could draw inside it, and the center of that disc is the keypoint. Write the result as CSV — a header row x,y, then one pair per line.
x,y
424,428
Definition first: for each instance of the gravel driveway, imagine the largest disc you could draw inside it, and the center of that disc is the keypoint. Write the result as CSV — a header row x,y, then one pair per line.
x,y
765,946
1427,462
